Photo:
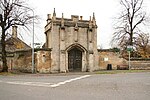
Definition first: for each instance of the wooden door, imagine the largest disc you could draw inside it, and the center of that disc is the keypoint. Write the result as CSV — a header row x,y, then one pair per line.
x,y
75,60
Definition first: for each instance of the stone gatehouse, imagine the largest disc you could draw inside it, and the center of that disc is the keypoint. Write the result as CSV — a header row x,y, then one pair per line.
x,y
73,43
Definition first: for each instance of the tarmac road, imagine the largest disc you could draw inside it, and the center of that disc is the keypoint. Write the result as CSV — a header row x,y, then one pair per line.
x,y
128,86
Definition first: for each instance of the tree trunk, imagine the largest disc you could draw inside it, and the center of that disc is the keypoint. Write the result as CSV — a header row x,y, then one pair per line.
x,y
3,43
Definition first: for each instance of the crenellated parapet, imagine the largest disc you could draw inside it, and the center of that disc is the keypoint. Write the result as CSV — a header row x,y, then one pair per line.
x,y
74,21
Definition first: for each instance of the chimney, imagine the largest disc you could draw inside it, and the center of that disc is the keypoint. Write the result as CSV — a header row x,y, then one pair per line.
x,y
48,18
81,17
14,31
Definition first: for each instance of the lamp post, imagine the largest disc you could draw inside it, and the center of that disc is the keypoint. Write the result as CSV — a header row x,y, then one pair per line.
x,y
33,69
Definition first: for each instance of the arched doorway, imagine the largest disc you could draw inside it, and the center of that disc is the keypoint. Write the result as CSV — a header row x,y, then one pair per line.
x,y
75,60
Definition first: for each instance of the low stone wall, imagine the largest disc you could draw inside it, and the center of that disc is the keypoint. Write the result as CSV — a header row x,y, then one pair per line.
x,y
140,64
22,61
107,57
43,61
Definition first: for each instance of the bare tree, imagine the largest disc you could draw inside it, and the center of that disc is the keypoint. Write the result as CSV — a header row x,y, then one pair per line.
x,y
12,12
142,45
129,22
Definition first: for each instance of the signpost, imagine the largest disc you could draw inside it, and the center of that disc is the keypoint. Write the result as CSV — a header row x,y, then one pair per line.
x,y
129,49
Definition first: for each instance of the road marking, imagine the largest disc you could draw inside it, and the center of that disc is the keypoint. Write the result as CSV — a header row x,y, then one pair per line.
x,y
70,80
31,83
43,84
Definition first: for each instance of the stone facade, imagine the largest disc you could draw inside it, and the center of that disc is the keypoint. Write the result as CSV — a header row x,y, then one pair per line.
x,y
73,43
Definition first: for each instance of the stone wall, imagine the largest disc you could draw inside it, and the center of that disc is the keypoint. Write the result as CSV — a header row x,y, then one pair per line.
x,y
142,64
43,61
109,57
22,61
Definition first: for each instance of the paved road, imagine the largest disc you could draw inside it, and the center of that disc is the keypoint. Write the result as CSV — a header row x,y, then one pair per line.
x,y
131,86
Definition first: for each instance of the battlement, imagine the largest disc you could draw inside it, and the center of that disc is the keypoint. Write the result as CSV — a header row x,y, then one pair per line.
x,y
71,22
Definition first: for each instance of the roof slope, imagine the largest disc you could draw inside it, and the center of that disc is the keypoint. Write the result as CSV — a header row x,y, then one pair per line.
x,y
13,44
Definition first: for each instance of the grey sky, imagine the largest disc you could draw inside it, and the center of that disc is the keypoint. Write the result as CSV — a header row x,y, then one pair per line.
x,y
105,11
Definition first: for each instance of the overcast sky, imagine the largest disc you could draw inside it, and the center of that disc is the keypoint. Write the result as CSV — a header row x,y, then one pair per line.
x,y
105,11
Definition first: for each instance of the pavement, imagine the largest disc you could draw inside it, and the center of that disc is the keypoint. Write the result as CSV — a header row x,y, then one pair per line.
x,y
76,86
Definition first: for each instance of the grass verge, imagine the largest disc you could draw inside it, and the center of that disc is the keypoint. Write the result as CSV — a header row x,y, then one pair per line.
x,y
7,73
120,71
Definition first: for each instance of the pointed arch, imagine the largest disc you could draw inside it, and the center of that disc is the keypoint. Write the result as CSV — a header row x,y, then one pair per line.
x,y
76,45
80,54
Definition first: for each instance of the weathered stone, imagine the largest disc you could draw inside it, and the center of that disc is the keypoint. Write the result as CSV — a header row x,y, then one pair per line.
x,y
67,36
